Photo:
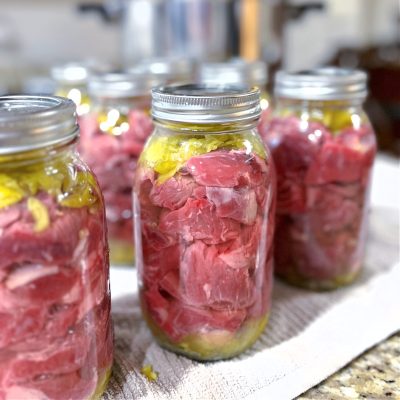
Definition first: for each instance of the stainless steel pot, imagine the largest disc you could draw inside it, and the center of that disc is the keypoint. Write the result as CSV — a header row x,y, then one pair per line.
x,y
196,29
206,30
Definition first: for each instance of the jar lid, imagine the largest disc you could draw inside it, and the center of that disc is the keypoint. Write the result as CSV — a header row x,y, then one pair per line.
x,y
329,83
170,69
204,104
235,72
122,84
33,122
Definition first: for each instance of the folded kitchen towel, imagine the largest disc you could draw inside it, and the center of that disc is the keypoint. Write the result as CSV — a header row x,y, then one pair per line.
x,y
309,335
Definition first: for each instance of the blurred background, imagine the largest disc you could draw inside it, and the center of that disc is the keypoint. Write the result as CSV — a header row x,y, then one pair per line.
x,y
297,34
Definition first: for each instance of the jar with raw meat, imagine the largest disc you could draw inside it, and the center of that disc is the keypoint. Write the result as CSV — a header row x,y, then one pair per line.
x,y
239,72
112,137
56,339
204,218
323,146
71,82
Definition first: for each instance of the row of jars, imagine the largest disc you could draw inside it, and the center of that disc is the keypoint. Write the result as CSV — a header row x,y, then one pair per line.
x,y
115,122
212,185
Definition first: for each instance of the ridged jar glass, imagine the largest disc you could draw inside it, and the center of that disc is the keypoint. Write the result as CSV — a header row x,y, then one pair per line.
x,y
204,220
112,137
323,146
56,338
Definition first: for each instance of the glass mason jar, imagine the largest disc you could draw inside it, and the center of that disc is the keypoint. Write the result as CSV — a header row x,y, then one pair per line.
x,y
239,72
71,82
168,69
323,147
112,137
56,337
204,220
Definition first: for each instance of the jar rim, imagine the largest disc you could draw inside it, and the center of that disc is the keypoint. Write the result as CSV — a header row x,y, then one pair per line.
x,y
29,122
206,104
234,72
122,84
327,83
168,69
71,73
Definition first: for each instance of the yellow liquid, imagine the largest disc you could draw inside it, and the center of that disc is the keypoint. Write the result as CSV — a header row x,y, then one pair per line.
x,y
121,252
102,385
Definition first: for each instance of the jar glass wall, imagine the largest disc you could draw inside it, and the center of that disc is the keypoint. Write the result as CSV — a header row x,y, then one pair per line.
x,y
323,147
204,222
56,337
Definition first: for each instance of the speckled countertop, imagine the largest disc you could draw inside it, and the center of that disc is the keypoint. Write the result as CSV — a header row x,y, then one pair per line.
x,y
373,375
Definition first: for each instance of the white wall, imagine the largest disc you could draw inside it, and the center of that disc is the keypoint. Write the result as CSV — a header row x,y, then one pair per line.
x,y
316,37
47,31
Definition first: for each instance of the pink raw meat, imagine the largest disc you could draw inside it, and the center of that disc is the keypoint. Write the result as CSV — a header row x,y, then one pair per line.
x,y
197,219
227,169
18,326
208,281
339,163
62,356
238,204
113,159
242,252
178,320
72,386
314,257
205,244
330,211
173,193
20,243
52,284
293,143
159,263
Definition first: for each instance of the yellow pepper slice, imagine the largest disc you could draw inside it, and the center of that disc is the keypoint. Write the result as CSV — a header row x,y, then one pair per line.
x,y
149,373
39,213
167,154
10,191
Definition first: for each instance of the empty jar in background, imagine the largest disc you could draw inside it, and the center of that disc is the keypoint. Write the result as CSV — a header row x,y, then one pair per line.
x,y
204,221
168,70
56,337
112,137
71,82
323,146
239,72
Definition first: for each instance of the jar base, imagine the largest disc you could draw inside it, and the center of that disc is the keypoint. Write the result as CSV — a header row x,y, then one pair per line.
x,y
296,279
215,345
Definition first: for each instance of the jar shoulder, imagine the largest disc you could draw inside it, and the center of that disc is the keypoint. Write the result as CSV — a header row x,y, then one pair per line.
x,y
64,177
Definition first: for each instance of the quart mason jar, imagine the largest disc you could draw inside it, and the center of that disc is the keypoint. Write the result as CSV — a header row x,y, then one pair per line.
x,y
168,70
323,147
112,137
56,337
204,219
71,82
239,72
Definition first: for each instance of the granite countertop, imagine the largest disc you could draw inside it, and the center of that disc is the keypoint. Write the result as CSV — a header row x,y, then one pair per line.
x,y
373,375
